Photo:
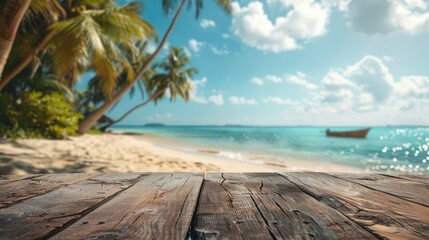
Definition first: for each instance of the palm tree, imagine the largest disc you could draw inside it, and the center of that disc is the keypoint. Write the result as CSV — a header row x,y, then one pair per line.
x,y
91,97
174,78
94,34
39,14
168,5
12,13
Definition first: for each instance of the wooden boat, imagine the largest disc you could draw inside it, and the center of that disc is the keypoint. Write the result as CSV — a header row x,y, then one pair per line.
x,y
361,133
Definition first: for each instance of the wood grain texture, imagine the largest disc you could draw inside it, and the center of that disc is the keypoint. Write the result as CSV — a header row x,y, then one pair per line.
x,y
410,190
159,206
417,178
26,188
266,206
386,215
38,217
6,179
217,206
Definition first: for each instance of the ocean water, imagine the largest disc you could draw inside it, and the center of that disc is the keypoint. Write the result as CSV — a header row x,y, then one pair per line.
x,y
386,149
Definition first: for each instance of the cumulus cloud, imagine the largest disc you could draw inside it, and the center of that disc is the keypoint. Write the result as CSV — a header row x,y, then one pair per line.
x,y
368,85
206,23
195,95
413,87
303,20
195,45
299,78
387,16
273,79
216,99
242,101
279,100
257,81
219,51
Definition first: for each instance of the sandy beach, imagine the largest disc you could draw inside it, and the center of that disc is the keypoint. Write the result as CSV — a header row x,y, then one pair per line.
x,y
127,153
107,153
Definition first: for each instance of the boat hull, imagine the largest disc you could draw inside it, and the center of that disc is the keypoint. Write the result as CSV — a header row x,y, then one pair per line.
x,y
349,134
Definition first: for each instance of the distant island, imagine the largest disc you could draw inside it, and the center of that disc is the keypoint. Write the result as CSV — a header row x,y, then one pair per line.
x,y
154,125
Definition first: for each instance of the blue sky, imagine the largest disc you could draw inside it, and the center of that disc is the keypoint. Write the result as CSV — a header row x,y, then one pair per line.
x,y
299,62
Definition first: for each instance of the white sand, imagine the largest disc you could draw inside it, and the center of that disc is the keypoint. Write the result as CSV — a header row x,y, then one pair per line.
x,y
107,153
124,153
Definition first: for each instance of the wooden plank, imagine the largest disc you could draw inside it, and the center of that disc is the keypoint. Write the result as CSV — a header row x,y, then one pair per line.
x,y
41,216
6,179
406,189
16,191
160,206
266,206
386,215
418,178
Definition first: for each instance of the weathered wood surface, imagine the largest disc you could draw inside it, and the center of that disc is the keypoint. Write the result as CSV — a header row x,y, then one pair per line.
x,y
386,215
266,206
44,214
160,206
26,188
214,206
6,179
410,190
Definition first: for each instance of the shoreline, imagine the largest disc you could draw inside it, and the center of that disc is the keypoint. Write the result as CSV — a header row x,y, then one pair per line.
x,y
267,161
122,152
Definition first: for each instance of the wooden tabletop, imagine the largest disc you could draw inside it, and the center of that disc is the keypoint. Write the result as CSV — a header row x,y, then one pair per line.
x,y
214,206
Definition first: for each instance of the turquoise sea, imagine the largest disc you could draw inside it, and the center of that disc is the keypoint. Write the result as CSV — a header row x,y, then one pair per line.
x,y
386,149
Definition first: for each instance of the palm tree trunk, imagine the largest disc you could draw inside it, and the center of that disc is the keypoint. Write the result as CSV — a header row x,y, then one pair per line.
x,y
11,19
93,117
26,60
104,128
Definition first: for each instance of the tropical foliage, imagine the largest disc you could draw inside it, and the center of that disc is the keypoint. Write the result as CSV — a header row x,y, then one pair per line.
x,y
173,80
36,114
47,45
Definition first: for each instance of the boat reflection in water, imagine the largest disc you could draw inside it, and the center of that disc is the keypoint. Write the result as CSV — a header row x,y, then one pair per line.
x,y
361,133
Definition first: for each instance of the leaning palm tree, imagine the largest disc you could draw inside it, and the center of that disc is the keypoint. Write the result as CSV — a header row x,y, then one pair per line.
x,y
19,19
168,6
12,13
93,35
174,78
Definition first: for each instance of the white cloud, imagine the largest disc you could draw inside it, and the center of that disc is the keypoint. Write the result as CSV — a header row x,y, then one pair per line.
x,y
218,51
225,35
242,101
196,45
368,86
298,79
303,20
388,16
301,79
195,95
257,81
413,87
273,79
278,100
206,23
160,116
216,99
